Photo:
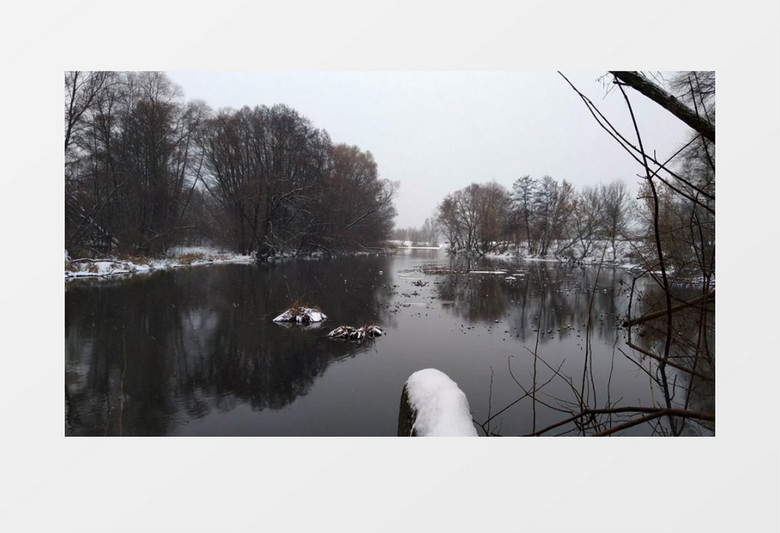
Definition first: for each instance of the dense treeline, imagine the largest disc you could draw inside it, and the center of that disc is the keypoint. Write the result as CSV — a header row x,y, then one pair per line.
x,y
542,216
146,170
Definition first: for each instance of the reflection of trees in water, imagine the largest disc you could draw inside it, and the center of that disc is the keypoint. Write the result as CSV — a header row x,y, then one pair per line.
x,y
477,298
554,301
692,349
125,364
580,394
553,297
144,353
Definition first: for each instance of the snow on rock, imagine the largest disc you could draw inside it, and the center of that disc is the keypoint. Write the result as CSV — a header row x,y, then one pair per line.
x,y
356,334
301,315
438,406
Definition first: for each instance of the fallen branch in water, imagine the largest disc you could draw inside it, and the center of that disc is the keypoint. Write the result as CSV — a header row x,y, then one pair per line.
x,y
652,413
663,312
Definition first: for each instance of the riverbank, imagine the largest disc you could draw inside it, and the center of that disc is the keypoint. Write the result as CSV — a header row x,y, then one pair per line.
x,y
179,257
194,256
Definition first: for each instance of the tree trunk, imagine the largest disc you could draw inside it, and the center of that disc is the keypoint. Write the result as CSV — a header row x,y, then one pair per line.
x,y
668,102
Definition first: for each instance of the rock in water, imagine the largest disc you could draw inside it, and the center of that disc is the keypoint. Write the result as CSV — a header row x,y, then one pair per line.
x,y
301,315
356,334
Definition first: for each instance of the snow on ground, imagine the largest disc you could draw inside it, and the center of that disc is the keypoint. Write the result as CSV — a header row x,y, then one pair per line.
x,y
177,258
624,255
441,408
412,246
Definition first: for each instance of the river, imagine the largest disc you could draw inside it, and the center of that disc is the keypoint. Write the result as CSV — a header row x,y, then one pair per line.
x,y
194,351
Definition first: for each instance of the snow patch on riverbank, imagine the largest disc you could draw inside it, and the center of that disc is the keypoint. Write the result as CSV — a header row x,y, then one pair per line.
x,y
625,255
179,257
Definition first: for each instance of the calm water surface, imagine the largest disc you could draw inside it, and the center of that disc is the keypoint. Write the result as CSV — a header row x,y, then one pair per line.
x,y
195,352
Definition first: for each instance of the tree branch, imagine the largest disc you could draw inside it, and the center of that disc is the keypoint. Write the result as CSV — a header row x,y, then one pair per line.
x,y
663,312
652,412
668,102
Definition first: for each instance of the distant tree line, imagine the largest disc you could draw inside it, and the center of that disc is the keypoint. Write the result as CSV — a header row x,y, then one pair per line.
x,y
146,170
426,235
670,225
543,216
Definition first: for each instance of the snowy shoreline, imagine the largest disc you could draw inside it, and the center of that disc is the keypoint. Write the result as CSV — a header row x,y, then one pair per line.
x,y
195,256
182,257
178,257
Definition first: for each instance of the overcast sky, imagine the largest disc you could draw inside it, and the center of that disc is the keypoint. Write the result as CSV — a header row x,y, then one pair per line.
x,y
438,131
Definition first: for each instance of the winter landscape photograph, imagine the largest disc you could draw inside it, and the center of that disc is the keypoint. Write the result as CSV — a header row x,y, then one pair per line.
x,y
390,253
391,266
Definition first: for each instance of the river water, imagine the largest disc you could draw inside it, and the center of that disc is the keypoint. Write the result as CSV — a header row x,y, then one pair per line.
x,y
194,351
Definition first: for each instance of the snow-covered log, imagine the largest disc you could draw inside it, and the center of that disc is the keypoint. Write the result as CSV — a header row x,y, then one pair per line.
x,y
301,315
433,405
356,334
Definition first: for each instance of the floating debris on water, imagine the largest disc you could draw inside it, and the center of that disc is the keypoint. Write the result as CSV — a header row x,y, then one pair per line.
x,y
438,269
356,334
301,315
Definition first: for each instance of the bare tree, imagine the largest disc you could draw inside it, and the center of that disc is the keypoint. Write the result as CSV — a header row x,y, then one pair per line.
x,y
356,204
523,191
493,207
552,204
585,220
476,218
615,209
678,195
82,89
449,220
128,142
430,231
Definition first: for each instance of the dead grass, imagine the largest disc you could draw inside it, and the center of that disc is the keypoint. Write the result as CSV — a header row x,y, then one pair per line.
x,y
299,305
132,258
188,259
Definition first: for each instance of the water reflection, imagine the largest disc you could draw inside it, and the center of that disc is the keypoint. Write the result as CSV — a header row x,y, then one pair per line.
x,y
195,351
691,350
144,354
549,299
